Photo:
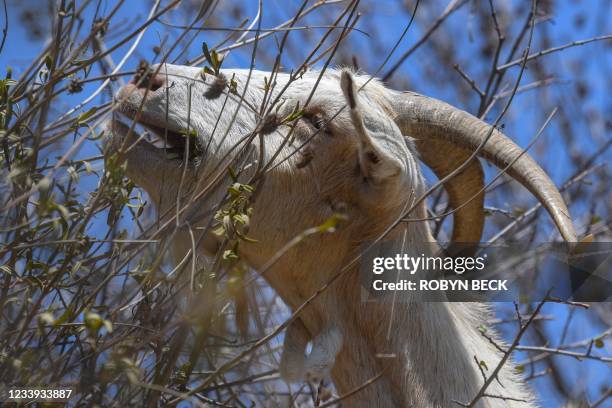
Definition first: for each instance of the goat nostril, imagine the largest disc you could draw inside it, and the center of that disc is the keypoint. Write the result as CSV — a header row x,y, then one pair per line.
x,y
156,82
148,81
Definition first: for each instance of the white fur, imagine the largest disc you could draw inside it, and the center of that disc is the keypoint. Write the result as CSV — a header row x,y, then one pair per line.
x,y
428,360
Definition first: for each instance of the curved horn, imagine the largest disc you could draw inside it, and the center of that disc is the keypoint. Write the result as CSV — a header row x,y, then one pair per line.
x,y
446,136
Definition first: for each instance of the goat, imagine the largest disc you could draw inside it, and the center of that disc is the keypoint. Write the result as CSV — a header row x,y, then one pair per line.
x,y
363,158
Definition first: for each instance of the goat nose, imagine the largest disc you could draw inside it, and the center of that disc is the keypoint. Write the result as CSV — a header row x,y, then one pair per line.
x,y
148,81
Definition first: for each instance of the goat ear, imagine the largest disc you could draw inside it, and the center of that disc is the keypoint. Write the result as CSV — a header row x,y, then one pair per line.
x,y
375,164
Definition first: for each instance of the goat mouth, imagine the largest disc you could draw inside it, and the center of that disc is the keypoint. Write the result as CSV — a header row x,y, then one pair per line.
x,y
176,144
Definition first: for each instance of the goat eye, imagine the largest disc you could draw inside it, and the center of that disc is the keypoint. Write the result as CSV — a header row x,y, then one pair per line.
x,y
317,121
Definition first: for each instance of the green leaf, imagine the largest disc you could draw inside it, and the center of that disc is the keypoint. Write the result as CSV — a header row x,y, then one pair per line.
x,y
237,189
233,190
85,115
182,375
5,84
93,321
233,86
108,325
484,365
82,62
189,133
229,254
331,223
595,219
294,115
64,317
46,318
206,52
232,173
599,343
48,62
219,231
242,219
247,239
215,60
212,58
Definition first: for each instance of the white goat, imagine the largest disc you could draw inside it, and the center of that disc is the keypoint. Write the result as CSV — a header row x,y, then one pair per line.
x,y
356,158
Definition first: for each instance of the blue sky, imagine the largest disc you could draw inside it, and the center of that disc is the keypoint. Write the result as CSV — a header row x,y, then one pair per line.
x,y
389,19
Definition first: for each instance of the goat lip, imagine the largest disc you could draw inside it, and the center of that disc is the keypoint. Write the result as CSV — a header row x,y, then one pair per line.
x,y
171,143
169,139
166,137
175,143
141,117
